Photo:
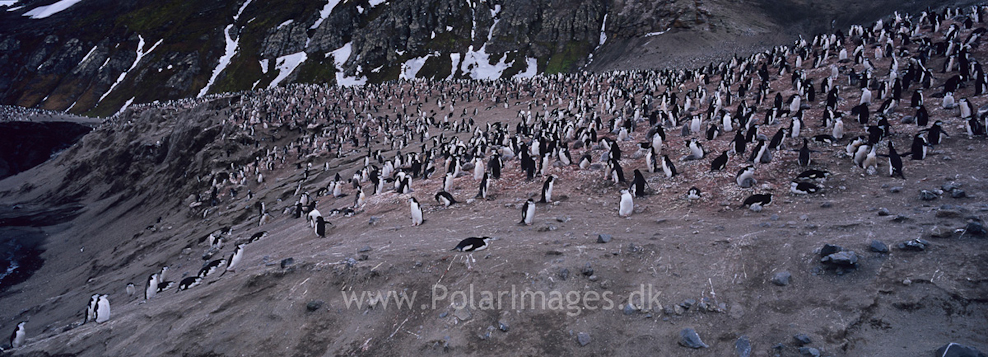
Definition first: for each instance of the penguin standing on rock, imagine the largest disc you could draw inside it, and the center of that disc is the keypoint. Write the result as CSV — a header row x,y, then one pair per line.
x,y
527,213
416,209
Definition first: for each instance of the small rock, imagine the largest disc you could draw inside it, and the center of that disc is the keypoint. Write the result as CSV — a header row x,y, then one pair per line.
x,y
562,219
829,249
463,314
927,195
915,245
947,158
443,314
563,273
975,228
802,339
689,338
882,212
809,351
503,326
603,238
743,346
781,278
895,189
845,259
678,310
899,218
948,213
950,186
804,217
958,350
593,278
583,338
363,257
765,225
941,232
587,270
314,305
373,220
907,281
774,217
755,208
827,204
365,249
287,262
628,309
878,246
958,193
688,303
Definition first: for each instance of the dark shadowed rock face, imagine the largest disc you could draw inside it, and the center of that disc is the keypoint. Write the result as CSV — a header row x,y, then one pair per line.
x,y
24,145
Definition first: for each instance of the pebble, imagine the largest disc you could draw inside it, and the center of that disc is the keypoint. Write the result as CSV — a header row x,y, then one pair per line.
x,y
563,273
503,326
829,249
583,338
809,351
373,220
826,204
878,246
802,339
688,303
287,262
950,186
975,228
947,213
781,278
364,249
882,212
563,219
755,208
689,338
314,305
587,270
463,314
603,238
628,309
743,346
899,218
804,217
927,195
915,245
895,189
841,260
941,232
774,217
958,193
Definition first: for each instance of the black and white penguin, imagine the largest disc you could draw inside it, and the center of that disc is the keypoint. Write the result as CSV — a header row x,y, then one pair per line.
x,y
761,154
131,289
472,244
445,198
152,286
257,236
527,213
91,308
746,177
236,256
638,184
585,161
547,189
210,267
103,309
448,182
919,147
804,153
165,285
485,185
416,210
719,162
17,337
761,199
696,150
188,282
813,175
495,164
895,162
615,172
320,226
693,194
936,133
627,205
802,188
667,167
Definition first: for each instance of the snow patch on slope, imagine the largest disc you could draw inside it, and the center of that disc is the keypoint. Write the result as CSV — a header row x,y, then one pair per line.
x,y
231,50
140,54
41,12
285,65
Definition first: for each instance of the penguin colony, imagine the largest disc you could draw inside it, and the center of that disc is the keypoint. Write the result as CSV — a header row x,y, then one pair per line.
x,y
861,98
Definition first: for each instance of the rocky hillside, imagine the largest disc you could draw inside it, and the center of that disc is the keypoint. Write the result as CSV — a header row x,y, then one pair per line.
x,y
95,57
853,255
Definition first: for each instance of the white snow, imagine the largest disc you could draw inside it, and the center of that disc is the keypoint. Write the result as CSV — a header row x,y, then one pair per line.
x,y
84,59
286,65
231,50
124,107
411,68
650,34
15,8
340,57
140,54
264,65
324,13
374,3
603,35
41,12
531,69
360,9
241,11
286,23
477,63
8,2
